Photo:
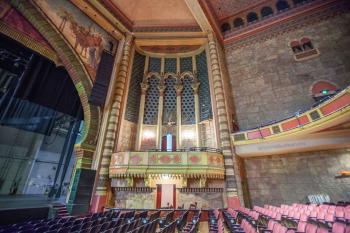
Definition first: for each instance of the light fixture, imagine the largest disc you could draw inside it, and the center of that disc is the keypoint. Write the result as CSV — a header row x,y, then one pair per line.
x,y
165,176
188,134
148,134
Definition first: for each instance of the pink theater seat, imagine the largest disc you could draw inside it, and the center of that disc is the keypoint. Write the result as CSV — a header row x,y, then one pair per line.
x,y
339,227
310,228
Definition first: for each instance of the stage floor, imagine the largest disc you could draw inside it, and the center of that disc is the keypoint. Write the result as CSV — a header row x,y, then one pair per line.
x,y
26,201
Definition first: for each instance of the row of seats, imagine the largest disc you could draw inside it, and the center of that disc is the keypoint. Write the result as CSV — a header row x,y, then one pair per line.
x,y
112,221
215,223
289,219
193,225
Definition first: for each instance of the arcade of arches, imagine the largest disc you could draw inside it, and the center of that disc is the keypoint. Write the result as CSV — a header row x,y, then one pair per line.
x,y
148,104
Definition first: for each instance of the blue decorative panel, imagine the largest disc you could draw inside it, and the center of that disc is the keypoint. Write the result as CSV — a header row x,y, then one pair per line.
x,y
185,64
204,88
152,101
133,102
154,64
170,65
187,103
169,108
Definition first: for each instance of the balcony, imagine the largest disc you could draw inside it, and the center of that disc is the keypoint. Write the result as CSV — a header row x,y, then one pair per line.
x,y
325,126
188,164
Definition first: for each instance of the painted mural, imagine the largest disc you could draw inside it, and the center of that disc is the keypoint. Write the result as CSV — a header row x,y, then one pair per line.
x,y
86,37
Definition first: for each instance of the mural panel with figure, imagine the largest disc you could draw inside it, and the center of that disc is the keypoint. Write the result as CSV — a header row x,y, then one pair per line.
x,y
86,37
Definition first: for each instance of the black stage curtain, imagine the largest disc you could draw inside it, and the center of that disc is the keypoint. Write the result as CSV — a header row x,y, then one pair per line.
x,y
49,86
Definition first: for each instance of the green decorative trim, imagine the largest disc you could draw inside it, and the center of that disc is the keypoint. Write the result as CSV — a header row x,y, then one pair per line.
x,y
239,137
315,115
276,129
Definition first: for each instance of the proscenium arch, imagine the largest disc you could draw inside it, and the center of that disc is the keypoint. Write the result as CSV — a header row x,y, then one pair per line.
x,y
73,65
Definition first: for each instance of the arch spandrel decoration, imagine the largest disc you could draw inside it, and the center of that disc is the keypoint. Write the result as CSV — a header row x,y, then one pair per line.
x,y
73,65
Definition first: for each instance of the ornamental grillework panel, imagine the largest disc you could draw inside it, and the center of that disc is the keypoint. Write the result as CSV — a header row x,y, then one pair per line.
x,y
185,64
151,102
154,64
169,111
187,103
204,87
133,102
170,65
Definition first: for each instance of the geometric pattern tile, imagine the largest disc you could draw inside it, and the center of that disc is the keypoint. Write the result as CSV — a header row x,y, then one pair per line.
x,y
133,101
151,103
169,111
170,65
187,103
204,87
154,64
185,64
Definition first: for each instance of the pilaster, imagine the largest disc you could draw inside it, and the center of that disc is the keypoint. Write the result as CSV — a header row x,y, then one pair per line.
x,y
223,125
100,195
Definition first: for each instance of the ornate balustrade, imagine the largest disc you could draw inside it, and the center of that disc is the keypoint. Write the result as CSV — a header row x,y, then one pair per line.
x,y
176,164
334,110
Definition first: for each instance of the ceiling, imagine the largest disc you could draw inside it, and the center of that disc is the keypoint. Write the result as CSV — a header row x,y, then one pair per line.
x,y
156,13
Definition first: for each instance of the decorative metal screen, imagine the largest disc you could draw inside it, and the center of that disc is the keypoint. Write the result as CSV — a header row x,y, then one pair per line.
x,y
133,102
204,88
154,64
185,64
169,110
152,101
187,103
170,65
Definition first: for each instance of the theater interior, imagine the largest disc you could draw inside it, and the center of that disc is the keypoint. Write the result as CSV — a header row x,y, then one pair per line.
x,y
164,116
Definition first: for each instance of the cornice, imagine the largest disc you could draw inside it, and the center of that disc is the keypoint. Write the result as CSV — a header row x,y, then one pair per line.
x,y
285,22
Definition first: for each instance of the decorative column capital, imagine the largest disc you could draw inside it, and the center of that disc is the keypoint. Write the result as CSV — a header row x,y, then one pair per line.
x,y
178,88
161,89
128,38
211,36
195,87
144,87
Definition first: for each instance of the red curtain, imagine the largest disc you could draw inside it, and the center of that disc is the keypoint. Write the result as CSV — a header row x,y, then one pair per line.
x,y
174,195
164,143
159,196
174,142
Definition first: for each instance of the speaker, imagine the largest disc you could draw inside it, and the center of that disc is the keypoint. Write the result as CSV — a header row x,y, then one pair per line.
x,y
84,190
103,77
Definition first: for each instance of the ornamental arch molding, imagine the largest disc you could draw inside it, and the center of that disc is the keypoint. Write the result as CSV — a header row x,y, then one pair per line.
x,y
73,66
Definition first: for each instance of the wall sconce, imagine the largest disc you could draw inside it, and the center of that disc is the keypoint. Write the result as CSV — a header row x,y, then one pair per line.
x,y
188,134
147,134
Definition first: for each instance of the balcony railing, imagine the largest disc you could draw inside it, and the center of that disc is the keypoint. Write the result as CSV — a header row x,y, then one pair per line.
x,y
195,163
319,114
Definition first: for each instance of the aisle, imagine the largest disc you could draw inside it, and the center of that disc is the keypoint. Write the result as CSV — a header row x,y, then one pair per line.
x,y
203,228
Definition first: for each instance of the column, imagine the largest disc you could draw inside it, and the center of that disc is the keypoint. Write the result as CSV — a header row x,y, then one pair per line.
x,y
101,188
195,87
179,88
224,133
161,89
144,87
